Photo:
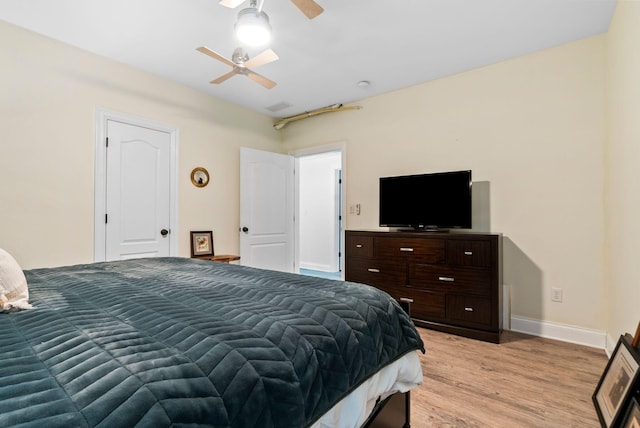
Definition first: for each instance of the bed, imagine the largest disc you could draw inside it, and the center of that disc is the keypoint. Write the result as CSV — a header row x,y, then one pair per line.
x,y
182,342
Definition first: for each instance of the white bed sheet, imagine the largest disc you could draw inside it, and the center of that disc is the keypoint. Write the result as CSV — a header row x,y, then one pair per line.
x,y
352,411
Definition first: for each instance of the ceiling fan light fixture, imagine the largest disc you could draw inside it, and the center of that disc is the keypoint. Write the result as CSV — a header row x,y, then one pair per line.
x,y
252,27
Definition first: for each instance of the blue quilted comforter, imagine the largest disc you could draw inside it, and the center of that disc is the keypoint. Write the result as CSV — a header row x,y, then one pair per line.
x,y
176,342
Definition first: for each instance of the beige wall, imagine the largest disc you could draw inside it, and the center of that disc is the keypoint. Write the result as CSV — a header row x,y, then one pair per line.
x,y
49,93
623,164
532,129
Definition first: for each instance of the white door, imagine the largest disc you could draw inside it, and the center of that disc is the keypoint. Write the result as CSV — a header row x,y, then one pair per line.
x,y
138,188
266,210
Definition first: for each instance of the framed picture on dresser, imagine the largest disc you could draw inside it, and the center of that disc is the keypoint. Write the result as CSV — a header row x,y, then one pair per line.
x,y
618,384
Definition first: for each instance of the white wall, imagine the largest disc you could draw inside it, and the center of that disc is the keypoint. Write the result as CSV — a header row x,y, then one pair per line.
x,y
623,162
318,211
532,129
49,94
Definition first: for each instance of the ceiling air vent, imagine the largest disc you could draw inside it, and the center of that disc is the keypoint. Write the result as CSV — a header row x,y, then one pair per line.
x,y
279,106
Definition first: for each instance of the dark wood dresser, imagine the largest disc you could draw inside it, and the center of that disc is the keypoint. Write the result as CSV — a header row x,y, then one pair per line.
x,y
454,279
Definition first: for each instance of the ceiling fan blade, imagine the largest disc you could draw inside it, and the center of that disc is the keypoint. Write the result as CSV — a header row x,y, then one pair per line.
x,y
261,79
205,50
308,7
224,77
262,58
231,3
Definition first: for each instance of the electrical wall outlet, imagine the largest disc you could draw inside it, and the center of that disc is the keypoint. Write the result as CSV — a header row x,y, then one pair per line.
x,y
354,209
556,294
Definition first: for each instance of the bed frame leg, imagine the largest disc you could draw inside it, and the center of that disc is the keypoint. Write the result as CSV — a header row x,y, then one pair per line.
x,y
406,302
407,410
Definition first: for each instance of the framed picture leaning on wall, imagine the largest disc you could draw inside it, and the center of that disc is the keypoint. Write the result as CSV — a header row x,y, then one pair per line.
x,y
632,416
618,384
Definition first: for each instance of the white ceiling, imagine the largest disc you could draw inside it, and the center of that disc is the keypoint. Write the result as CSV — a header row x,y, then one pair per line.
x,y
392,44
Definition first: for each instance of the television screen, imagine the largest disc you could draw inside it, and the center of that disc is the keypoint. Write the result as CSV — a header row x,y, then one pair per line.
x,y
426,201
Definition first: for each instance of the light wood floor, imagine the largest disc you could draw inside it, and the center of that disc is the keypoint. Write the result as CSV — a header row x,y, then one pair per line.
x,y
525,381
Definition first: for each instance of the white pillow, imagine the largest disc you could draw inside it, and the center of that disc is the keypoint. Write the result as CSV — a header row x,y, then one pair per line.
x,y
14,292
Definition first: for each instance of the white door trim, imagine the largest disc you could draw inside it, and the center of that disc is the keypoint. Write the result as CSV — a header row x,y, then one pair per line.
x,y
102,116
335,147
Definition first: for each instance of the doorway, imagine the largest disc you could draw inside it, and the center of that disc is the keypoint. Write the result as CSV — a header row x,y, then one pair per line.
x,y
319,208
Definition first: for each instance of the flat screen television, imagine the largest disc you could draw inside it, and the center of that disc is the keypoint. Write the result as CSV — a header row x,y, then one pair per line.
x,y
426,201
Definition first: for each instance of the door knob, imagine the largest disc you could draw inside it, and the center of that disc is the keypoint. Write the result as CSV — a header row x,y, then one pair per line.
x,y
164,232
245,229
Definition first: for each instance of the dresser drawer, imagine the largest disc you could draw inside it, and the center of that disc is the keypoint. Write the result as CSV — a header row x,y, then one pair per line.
x,y
395,291
424,250
359,246
379,273
469,311
426,304
469,253
442,278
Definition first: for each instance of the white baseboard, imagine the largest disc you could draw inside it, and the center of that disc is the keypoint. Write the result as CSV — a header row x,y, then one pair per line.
x,y
566,333
316,266
610,346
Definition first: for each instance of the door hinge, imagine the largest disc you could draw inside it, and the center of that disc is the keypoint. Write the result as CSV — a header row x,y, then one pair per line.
x,y
107,142
340,181
106,218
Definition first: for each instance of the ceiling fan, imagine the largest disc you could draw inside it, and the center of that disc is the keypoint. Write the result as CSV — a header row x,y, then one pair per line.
x,y
309,7
242,65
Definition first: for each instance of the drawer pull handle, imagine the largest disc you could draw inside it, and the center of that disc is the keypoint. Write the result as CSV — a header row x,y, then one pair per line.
x,y
406,300
406,249
359,246
446,278
374,270
468,253
468,309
